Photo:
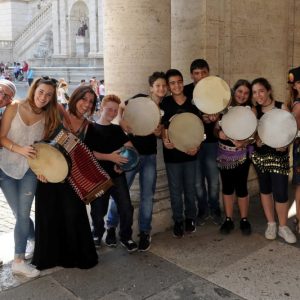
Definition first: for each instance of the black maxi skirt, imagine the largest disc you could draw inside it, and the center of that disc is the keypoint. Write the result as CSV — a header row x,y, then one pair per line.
x,y
62,234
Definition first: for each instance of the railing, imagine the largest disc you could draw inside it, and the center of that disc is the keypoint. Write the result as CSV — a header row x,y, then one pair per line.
x,y
4,45
30,30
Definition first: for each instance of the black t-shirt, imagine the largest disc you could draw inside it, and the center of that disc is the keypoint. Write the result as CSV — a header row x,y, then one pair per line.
x,y
171,108
145,145
208,127
106,139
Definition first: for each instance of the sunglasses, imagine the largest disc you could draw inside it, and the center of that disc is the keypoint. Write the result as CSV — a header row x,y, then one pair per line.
x,y
48,80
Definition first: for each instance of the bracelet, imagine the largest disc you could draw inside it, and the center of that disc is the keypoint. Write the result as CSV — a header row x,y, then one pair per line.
x,y
11,146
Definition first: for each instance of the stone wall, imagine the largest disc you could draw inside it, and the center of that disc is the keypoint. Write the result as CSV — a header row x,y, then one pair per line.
x,y
239,38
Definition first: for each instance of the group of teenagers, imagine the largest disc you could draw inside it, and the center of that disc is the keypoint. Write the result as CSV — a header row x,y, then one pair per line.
x,y
62,235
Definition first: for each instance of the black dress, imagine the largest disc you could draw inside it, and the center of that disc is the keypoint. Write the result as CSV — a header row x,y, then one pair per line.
x,y
62,231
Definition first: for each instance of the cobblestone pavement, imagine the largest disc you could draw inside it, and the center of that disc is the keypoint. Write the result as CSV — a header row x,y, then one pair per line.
x,y
7,219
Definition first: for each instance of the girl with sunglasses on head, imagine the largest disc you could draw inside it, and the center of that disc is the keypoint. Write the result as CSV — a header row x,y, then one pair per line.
x,y
23,123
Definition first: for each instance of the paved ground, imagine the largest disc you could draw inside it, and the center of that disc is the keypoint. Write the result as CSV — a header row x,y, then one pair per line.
x,y
203,265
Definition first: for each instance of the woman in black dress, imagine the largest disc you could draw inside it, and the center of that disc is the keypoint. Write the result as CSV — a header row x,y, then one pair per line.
x,y
63,234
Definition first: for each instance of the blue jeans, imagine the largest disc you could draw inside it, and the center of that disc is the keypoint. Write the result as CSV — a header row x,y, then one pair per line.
x,y
181,179
19,194
207,172
147,181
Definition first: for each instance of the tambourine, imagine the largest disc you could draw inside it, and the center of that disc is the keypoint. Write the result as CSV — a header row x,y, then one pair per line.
x,y
277,128
186,131
143,115
52,161
239,123
211,95
133,158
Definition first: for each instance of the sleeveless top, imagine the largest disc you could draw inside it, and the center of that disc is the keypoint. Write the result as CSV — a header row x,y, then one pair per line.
x,y
13,164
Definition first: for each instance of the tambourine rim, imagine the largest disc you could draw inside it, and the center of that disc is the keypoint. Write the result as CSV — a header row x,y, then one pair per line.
x,y
239,107
202,82
133,102
265,115
137,156
181,115
61,149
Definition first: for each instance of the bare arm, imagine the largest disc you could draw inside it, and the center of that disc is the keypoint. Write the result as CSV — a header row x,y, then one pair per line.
x,y
9,114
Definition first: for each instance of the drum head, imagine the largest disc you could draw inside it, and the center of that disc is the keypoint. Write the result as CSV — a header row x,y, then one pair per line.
x,y
186,131
133,158
142,115
211,95
277,128
49,162
239,123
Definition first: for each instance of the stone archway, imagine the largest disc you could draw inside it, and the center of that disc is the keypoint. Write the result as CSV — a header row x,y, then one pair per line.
x,y
79,37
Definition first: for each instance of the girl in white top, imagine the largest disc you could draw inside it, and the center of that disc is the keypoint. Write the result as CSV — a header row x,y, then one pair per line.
x,y
23,123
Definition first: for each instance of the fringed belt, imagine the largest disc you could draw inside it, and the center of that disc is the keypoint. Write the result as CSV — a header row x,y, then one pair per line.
x,y
272,163
230,157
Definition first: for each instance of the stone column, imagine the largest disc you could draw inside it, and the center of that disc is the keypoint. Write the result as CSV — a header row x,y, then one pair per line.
x,y
100,28
93,27
63,13
56,25
137,37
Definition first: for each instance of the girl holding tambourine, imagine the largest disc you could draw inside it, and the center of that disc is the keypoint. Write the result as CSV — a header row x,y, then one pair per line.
x,y
234,163
272,166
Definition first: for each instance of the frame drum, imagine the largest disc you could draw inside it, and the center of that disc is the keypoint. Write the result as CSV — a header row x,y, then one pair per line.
x,y
133,158
186,131
277,128
239,123
142,115
211,95
52,161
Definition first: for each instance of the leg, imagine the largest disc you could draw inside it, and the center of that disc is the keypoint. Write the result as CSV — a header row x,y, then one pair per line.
x,y
98,211
212,176
175,181
147,190
113,215
201,191
189,170
19,195
121,195
228,178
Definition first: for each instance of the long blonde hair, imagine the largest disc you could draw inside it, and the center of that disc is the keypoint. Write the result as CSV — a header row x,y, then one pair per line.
x,y
52,117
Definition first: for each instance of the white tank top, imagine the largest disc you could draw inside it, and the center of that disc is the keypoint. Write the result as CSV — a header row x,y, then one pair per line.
x,y
13,164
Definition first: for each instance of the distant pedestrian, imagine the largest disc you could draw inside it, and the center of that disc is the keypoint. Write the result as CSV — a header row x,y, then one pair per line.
x,y
101,90
30,76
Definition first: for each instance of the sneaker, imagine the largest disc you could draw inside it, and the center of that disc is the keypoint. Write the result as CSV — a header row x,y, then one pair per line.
x,y
270,233
130,245
97,242
29,249
111,240
245,226
201,219
217,219
178,231
190,226
286,233
227,226
145,241
24,269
